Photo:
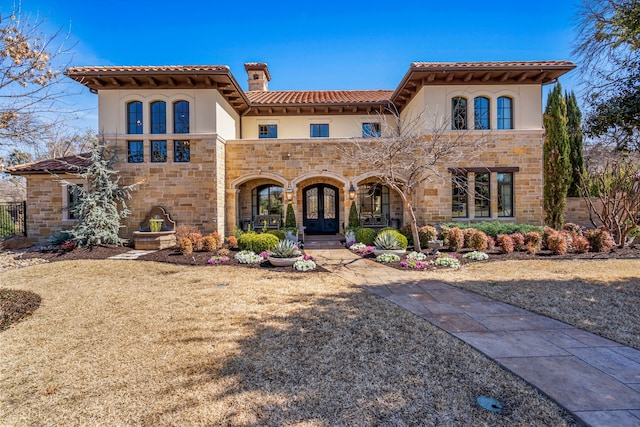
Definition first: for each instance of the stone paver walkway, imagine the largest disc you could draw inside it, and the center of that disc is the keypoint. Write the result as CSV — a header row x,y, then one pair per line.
x,y
595,379
134,254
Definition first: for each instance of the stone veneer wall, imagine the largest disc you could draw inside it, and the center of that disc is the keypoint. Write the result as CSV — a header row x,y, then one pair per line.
x,y
306,162
44,207
577,212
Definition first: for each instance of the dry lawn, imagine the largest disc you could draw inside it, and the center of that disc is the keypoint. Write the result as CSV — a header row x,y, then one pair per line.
x,y
141,343
601,296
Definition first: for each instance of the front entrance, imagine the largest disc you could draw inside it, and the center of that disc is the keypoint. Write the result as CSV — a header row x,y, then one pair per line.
x,y
320,209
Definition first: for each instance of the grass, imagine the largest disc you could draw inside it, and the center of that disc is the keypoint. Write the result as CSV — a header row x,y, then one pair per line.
x,y
143,343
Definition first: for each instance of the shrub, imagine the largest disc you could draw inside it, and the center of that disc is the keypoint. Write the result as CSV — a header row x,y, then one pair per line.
x,y
257,242
398,235
600,239
60,237
518,241
573,228
456,239
184,246
366,236
354,219
444,234
69,245
505,243
426,233
285,249
477,240
493,228
209,244
183,231
545,236
581,244
223,252
196,241
491,243
532,242
218,238
290,217
387,240
406,232
278,233
232,241
557,243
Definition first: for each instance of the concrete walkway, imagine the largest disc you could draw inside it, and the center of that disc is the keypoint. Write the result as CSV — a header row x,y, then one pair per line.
x,y
595,379
133,254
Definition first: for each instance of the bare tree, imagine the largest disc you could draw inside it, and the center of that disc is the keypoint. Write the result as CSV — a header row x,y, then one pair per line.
x,y
612,194
31,86
411,150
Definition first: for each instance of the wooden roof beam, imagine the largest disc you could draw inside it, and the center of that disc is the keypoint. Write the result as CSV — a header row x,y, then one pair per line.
x,y
449,78
134,81
431,77
152,81
486,77
171,81
523,77
115,82
505,76
542,76
468,77
190,81
96,81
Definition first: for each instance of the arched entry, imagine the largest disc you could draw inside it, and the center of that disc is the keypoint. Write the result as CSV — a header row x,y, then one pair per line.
x,y
320,204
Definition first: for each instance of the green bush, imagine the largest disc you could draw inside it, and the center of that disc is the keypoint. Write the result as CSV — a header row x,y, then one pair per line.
x,y
493,228
402,239
278,233
366,236
354,219
257,242
290,218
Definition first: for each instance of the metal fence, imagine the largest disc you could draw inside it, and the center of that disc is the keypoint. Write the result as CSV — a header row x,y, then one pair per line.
x,y
13,218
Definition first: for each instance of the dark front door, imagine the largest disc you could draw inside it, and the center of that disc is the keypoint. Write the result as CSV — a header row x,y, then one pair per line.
x,y
320,209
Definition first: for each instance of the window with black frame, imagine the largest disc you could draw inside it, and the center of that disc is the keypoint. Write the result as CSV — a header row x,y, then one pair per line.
x,y
158,117
267,131
458,113
481,113
373,204
181,151
505,194
459,195
74,193
482,195
134,117
158,151
505,113
181,117
135,152
267,200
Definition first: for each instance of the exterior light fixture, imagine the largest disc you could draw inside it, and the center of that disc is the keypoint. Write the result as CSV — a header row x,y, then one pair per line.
x,y
289,193
352,192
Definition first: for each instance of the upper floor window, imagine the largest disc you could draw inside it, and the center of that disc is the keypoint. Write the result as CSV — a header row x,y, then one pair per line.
x,y
319,131
505,113
458,113
481,112
181,151
158,117
267,131
135,152
181,117
134,117
371,130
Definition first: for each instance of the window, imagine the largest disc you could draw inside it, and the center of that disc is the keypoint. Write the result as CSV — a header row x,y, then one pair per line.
x,y
267,200
459,195
158,151
481,112
482,195
458,113
505,113
319,131
158,117
267,131
505,194
180,117
371,130
73,193
181,151
373,204
135,152
134,117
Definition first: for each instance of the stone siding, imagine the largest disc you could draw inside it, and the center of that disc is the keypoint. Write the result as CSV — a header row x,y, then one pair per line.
x,y
577,211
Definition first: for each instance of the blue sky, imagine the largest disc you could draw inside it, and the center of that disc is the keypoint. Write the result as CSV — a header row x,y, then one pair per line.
x,y
307,45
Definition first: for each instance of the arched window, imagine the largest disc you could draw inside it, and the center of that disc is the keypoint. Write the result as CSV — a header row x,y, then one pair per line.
x,y
505,113
458,113
373,204
267,200
134,117
158,117
181,117
481,113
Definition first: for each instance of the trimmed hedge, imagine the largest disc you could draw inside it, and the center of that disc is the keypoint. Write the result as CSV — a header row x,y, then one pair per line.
x,y
257,242
366,236
278,233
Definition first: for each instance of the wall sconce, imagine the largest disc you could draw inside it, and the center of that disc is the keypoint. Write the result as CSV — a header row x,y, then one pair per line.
x,y
352,192
289,193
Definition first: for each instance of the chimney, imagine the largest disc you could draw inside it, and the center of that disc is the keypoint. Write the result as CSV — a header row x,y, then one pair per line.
x,y
258,76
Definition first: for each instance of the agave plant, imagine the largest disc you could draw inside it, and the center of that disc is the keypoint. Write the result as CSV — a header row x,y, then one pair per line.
x,y
285,249
387,241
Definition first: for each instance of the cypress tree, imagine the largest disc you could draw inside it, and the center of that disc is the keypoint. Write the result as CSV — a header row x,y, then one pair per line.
x,y
574,129
354,219
557,164
290,218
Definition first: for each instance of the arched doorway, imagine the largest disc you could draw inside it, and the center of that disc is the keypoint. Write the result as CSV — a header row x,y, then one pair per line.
x,y
320,209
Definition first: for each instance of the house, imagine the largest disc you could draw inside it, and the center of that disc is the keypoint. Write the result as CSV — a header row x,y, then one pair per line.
x,y
217,157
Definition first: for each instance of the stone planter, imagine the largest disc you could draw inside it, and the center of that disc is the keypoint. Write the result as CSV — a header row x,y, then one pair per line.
x,y
283,262
398,252
435,245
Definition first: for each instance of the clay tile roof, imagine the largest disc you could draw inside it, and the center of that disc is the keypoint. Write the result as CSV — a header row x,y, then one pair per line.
x,y
146,69
496,64
319,97
61,164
